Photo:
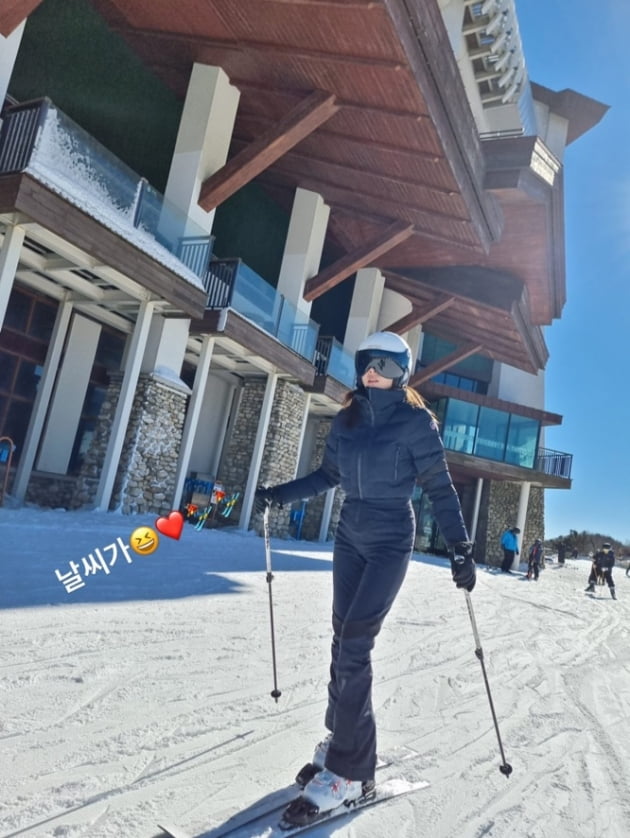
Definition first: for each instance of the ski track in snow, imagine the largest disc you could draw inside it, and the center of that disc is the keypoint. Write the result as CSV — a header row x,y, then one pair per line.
x,y
146,695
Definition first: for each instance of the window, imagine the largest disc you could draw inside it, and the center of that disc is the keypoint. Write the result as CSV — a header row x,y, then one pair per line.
x,y
460,426
492,433
24,339
522,441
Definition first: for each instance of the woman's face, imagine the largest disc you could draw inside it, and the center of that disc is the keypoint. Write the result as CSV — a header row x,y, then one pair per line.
x,y
371,378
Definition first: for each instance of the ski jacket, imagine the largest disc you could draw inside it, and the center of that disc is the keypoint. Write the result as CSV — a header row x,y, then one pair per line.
x,y
535,553
604,560
376,451
509,541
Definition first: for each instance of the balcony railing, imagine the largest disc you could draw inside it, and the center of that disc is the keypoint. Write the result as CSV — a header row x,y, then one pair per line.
x,y
554,462
231,283
332,359
39,138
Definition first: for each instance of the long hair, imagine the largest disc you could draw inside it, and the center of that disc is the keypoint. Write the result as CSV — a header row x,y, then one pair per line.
x,y
351,406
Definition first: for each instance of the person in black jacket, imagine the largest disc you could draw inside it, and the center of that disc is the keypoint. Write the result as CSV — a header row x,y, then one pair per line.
x,y
534,559
381,442
603,563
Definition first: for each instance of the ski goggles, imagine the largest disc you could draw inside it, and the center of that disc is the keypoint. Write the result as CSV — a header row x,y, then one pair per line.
x,y
388,365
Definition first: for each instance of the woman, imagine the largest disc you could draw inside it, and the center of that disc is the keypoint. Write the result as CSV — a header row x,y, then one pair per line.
x,y
380,443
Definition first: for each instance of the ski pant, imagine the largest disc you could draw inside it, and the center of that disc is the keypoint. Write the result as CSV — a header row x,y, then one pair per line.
x,y
373,545
508,559
533,569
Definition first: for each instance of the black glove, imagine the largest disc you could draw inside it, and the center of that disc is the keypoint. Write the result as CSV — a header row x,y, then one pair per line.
x,y
463,566
263,497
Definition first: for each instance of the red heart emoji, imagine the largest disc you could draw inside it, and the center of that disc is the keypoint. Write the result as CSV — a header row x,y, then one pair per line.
x,y
172,526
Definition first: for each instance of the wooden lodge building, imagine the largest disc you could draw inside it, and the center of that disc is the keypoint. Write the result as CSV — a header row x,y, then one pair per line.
x,y
206,205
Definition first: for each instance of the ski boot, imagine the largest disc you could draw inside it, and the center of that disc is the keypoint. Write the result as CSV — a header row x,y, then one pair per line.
x,y
325,792
613,594
308,771
590,589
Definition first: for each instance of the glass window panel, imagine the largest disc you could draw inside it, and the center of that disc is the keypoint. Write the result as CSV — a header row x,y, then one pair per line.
x,y
18,310
460,426
18,414
27,379
8,363
522,441
493,426
42,321
110,349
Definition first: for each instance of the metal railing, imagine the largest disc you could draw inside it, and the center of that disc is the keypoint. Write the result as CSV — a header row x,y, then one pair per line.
x,y
554,463
39,138
231,283
332,359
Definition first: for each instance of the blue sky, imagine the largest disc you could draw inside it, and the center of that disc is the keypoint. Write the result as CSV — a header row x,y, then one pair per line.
x,y
584,46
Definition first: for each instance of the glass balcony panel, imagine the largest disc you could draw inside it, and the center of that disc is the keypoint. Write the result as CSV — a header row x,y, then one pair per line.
x,y
460,426
341,365
256,299
491,433
522,441
70,161
297,330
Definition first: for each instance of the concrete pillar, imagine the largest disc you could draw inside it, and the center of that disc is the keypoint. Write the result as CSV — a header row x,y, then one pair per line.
x,y
364,308
303,247
192,417
257,454
203,139
67,402
123,409
166,345
8,51
521,518
42,400
9,259
476,508
393,307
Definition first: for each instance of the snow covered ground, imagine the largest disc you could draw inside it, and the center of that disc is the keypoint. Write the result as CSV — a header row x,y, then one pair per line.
x,y
145,694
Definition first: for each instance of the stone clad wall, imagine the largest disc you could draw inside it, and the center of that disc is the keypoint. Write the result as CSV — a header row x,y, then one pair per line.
x,y
281,447
498,512
146,476
145,480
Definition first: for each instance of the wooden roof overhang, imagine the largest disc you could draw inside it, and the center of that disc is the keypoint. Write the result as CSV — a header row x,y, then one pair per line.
x,y
397,145
49,217
487,309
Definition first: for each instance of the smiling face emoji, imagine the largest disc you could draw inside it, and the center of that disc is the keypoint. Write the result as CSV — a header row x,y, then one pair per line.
x,y
144,541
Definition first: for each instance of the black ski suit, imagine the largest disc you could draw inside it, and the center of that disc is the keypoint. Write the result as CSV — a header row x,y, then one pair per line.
x,y
375,451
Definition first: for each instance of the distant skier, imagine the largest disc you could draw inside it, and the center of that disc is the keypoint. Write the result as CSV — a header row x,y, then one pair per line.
x,y
534,559
509,543
380,442
603,563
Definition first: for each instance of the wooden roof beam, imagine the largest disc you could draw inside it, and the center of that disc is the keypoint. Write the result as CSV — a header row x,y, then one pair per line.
x,y
460,354
420,314
301,121
13,12
351,262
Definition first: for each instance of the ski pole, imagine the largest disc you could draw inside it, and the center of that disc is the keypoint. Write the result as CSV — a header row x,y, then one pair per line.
x,y
505,768
275,693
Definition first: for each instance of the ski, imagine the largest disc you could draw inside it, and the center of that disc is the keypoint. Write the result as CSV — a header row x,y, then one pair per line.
x,y
273,805
394,787
269,824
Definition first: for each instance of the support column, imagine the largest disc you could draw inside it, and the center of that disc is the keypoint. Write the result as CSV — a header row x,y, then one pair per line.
x,y
9,47
393,307
192,417
125,402
257,455
67,403
9,260
42,400
303,248
203,139
521,518
476,508
364,308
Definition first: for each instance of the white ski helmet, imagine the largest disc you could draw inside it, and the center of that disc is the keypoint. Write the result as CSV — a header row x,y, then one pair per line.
x,y
388,354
